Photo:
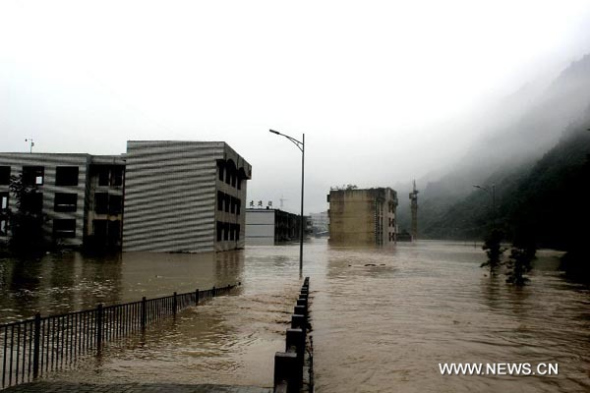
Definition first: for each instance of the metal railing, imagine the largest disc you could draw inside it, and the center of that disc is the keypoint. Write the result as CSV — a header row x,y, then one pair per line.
x,y
38,346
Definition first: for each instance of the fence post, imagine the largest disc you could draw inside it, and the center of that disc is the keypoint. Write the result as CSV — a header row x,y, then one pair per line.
x,y
143,313
197,297
37,345
286,371
174,304
98,319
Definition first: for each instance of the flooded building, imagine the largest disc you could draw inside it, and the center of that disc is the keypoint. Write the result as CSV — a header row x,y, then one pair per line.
x,y
184,197
363,216
80,195
166,196
271,226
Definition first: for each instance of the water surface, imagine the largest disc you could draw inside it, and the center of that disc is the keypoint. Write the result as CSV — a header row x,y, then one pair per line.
x,y
383,319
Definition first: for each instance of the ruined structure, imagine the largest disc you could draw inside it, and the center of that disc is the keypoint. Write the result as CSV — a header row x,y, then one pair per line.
x,y
363,216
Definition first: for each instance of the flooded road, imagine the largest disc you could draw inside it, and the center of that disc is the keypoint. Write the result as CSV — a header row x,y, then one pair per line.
x,y
383,320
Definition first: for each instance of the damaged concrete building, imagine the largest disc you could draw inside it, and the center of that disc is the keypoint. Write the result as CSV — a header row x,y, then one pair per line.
x,y
363,216
163,196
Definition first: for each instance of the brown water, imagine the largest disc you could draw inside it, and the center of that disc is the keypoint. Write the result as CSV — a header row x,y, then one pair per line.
x,y
383,319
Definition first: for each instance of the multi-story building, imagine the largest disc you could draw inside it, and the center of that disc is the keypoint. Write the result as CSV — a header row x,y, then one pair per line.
x,y
184,197
166,196
70,191
362,217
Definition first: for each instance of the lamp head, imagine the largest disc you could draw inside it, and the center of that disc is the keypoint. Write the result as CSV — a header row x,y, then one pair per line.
x,y
275,132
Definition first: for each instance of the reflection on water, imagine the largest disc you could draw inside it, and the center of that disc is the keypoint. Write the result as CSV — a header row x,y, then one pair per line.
x,y
70,282
383,319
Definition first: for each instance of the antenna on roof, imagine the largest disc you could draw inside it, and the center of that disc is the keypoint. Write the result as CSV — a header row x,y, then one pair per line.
x,y
32,143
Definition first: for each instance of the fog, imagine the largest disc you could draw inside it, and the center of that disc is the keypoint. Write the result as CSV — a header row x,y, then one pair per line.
x,y
385,92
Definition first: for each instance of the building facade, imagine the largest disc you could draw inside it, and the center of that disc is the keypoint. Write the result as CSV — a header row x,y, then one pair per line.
x,y
363,216
184,197
271,226
164,196
69,190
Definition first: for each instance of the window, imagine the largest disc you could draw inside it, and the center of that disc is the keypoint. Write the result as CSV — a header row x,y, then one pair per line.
x,y
227,202
233,205
65,202
3,228
219,231
64,228
33,175
115,204
238,206
220,201
117,176
4,175
225,231
232,232
66,176
32,202
103,176
3,201
220,170
101,203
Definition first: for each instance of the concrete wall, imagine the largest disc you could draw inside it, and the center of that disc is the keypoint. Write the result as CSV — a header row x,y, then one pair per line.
x,y
260,227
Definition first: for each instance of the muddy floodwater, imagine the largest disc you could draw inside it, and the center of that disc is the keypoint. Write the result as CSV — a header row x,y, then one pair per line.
x,y
383,319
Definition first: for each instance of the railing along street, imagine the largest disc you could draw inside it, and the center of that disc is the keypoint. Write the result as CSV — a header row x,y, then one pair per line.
x,y
38,346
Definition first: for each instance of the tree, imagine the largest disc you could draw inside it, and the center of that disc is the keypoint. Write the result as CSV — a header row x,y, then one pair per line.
x,y
519,264
493,248
26,223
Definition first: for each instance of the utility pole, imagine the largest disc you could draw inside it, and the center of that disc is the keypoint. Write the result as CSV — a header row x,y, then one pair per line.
x,y
414,201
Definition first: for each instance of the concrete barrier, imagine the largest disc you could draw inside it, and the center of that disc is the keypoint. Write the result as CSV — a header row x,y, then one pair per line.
x,y
289,365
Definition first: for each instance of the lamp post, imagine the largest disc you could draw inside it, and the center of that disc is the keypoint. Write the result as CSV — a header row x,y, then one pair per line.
x,y
301,146
492,192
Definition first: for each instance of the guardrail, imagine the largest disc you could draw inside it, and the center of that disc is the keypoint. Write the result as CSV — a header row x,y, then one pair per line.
x,y
41,345
289,365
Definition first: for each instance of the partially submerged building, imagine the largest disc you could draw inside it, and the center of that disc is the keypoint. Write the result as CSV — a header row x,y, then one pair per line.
x,y
363,216
184,197
271,226
166,196
71,191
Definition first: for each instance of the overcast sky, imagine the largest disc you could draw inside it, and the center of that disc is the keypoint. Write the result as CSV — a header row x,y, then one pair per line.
x,y
379,88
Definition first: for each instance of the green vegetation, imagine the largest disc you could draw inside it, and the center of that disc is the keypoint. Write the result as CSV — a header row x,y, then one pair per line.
x,y
541,204
494,250
26,223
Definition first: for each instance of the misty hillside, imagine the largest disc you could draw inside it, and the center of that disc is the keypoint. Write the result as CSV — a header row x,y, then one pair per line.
x,y
533,125
543,200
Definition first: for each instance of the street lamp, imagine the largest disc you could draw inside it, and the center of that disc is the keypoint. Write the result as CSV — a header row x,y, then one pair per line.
x,y
492,192
301,146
